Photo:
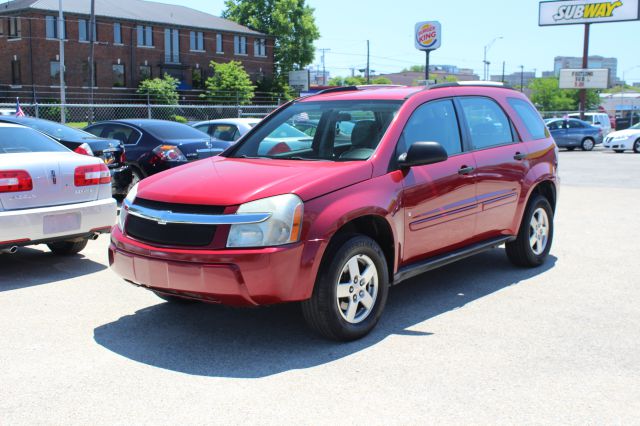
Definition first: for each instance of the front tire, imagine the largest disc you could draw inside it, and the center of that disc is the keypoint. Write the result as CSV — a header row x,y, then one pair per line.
x,y
68,248
351,290
636,146
587,144
532,245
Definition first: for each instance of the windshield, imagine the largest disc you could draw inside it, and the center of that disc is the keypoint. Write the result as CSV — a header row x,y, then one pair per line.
x,y
635,126
56,130
331,131
21,139
170,130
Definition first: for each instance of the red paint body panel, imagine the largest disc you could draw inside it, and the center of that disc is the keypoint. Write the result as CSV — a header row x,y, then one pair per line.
x,y
428,209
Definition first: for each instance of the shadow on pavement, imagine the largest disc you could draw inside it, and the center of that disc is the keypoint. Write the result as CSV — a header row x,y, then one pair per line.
x,y
212,340
30,267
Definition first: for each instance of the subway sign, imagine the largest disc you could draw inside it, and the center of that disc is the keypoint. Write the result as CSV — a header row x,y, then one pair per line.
x,y
569,12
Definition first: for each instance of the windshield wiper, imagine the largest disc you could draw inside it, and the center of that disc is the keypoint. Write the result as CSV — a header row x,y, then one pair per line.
x,y
304,159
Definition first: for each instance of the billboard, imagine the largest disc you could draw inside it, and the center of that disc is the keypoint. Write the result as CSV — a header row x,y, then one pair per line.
x,y
299,80
567,12
428,35
597,78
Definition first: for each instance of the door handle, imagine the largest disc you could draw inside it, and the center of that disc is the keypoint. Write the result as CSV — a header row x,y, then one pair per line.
x,y
465,170
519,156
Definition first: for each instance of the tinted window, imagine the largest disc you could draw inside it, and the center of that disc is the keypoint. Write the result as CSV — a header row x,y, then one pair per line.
x,y
532,121
95,130
225,132
555,125
433,122
20,139
203,128
575,124
52,128
170,130
124,134
488,125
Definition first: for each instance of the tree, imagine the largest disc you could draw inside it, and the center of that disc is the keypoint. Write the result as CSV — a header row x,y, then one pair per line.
x,y
381,80
290,21
547,96
356,80
163,91
230,83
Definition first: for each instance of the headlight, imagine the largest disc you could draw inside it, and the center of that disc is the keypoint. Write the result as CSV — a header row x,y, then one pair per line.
x,y
282,227
131,196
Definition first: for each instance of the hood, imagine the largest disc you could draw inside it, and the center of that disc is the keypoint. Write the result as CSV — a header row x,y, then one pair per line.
x,y
624,133
232,181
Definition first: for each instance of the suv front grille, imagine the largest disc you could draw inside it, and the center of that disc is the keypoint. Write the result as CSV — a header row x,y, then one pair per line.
x,y
172,234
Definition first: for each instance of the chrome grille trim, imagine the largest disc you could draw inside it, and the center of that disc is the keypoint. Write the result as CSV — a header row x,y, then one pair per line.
x,y
166,216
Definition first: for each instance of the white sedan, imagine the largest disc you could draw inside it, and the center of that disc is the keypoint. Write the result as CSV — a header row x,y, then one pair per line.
x,y
49,194
622,140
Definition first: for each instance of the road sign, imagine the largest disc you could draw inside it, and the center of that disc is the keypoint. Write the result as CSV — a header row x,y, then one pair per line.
x,y
299,80
567,12
584,78
428,35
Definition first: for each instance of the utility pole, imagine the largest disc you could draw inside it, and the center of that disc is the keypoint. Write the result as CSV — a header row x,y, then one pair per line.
x,y
521,78
503,62
61,35
92,38
368,70
324,75
585,65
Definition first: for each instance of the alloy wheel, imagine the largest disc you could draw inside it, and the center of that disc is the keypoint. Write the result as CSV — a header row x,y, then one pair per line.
x,y
357,289
539,231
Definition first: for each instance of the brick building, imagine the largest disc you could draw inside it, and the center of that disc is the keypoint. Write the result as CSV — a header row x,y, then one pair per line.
x,y
135,40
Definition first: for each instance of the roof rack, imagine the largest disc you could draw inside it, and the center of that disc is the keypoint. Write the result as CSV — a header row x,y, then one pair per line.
x,y
471,83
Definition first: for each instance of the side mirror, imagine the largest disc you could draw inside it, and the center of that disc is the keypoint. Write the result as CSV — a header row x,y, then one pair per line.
x,y
422,153
598,123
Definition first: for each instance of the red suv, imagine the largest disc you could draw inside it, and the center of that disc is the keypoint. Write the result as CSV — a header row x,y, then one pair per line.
x,y
382,185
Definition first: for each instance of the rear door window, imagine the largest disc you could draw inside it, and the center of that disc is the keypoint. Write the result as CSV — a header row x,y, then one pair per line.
x,y
530,117
125,134
224,132
433,122
487,123
575,124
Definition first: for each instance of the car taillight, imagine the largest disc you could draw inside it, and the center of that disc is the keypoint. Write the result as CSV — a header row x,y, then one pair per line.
x,y
84,149
168,153
15,181
123,158
95,174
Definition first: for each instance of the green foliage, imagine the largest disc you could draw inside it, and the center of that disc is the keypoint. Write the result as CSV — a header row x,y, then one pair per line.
x,y
547,96
162,91
381,80
290,21
414,68
230,83
179,119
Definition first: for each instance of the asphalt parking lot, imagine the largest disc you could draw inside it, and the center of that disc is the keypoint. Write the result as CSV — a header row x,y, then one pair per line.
x,y
478,341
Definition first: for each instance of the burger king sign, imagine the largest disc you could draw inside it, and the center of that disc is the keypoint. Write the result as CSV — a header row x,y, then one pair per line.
x,y
428,35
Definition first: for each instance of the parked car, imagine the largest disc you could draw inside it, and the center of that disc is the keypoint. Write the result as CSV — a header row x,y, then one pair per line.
x,y
7,111
427,177
622,140
573,133
152,146
627,120
223,133
49,194
597,119
111,151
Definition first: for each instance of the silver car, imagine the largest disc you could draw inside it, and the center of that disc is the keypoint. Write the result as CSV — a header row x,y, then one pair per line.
x,y
49,194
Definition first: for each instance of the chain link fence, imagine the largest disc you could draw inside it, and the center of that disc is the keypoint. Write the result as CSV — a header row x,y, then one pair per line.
x,y
87,113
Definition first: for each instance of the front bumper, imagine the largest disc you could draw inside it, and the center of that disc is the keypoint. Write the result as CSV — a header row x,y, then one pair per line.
x,y
246,277
26,227
618,144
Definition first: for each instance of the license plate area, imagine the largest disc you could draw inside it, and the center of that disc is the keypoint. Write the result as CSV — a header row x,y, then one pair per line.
x,y
55,223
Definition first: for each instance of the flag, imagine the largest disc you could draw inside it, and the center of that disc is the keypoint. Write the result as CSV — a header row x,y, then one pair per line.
x,y
19,111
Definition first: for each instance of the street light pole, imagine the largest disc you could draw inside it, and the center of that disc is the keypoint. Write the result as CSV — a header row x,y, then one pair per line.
x,y
484,61
61,37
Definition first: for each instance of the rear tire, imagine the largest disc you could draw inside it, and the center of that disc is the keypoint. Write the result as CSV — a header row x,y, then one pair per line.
x,y
351,290
535,236
636,146
587,144
67,248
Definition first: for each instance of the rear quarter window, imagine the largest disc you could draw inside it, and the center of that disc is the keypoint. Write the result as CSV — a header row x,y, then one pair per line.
x,y
530,117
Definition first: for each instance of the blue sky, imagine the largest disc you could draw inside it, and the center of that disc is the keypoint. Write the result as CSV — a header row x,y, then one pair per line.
x,y
467,27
